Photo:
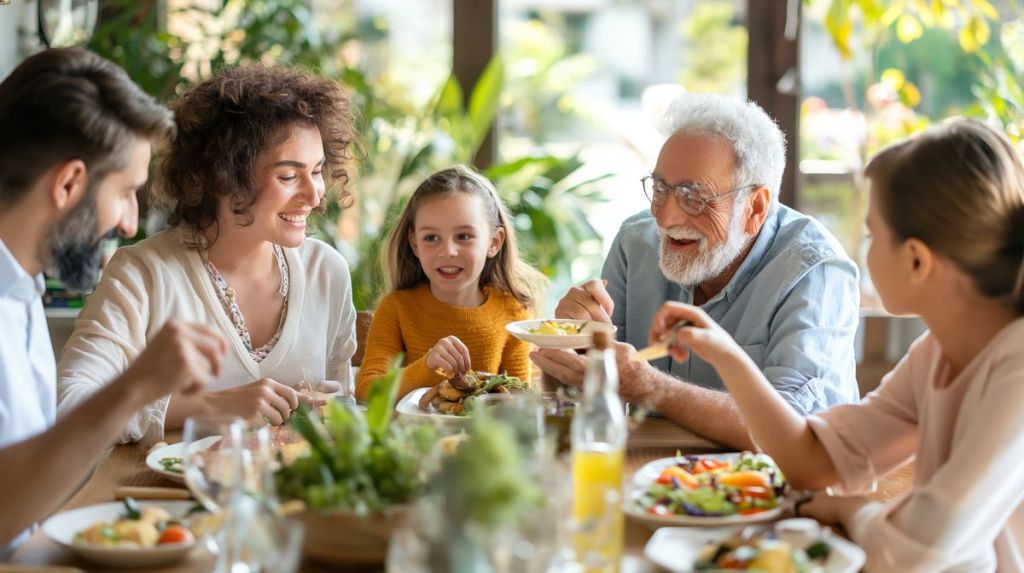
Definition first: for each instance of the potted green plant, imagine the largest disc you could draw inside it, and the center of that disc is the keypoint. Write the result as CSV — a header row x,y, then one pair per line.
x,y
361,474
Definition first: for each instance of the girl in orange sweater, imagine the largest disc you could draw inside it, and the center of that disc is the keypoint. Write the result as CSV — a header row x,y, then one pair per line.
x,y
455,280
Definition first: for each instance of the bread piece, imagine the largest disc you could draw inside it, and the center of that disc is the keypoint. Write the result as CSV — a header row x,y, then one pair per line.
x,y
427,396
448,407
449,392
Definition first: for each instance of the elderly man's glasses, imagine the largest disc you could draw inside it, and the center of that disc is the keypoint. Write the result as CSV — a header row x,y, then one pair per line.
x,y
691,197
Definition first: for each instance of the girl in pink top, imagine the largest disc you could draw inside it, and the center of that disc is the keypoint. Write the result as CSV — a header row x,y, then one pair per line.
x,y
947,225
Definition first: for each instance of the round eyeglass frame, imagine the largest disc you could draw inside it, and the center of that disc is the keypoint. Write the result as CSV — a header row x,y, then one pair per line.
x,y
684,194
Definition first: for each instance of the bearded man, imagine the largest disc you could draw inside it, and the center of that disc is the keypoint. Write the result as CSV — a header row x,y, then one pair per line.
x,y
76,144
717,237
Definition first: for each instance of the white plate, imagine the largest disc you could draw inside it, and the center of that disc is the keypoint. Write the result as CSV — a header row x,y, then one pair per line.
x,y
171,451
409,407
175,450
676,548
63,527
521,330
643,478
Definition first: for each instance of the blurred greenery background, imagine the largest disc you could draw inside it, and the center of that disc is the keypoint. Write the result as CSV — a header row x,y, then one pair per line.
x,y
872,71
403,140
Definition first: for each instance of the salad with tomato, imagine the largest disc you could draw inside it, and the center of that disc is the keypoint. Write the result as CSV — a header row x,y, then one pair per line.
x,y
710,486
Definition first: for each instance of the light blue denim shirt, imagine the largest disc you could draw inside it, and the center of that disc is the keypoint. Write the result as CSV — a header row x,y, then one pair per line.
x,y
793,306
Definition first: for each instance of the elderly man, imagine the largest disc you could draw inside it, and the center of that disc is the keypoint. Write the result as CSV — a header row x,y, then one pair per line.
x,y
76,143
716,236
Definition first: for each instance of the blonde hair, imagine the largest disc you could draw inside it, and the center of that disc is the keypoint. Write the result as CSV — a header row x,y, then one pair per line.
x,y
959,188
506,270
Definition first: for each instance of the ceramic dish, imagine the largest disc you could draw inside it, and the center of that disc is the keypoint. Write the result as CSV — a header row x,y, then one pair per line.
x,y
677,548
63,527
648,473
409,407
523,330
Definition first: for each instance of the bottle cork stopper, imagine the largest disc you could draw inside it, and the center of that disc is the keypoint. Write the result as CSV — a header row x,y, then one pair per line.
x,y
601,340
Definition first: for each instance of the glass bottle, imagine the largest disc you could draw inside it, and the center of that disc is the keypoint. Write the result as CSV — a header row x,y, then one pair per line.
x,y
598,442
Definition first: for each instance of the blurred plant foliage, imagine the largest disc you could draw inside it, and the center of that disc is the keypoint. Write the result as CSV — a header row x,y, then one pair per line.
x,y
996,44
541,73
402,140
715,49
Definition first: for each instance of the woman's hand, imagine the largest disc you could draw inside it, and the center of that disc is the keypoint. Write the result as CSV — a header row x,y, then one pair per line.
x,y
264,398
832,510
702,336
450,355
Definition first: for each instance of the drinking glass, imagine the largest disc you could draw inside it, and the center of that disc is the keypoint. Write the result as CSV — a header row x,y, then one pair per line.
x,y
212,461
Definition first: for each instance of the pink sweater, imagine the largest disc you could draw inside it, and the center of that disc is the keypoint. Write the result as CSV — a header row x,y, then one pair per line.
x,y
965,510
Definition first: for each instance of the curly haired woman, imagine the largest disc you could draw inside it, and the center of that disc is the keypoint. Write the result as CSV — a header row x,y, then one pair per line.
x,y
257,149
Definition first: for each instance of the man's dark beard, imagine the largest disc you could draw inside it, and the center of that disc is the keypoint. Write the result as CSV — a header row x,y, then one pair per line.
x,y
75,249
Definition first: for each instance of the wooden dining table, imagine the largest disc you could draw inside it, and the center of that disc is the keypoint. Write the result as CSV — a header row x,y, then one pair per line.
x,y
124,465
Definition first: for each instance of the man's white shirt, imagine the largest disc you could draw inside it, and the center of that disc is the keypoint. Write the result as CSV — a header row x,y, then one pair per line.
x,y
28,370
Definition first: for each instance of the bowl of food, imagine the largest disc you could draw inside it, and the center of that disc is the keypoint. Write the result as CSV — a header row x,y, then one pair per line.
x,y
761,548
707,490
562,334
450,401
126,534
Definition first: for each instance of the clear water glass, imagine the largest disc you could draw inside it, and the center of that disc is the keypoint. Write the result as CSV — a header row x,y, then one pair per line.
x,y
212,461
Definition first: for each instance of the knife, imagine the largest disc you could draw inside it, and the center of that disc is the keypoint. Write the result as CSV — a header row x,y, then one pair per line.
x,y
152,493
5,568
659,349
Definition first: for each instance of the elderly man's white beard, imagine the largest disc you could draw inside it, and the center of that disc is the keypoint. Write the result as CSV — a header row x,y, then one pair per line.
x,y
709,262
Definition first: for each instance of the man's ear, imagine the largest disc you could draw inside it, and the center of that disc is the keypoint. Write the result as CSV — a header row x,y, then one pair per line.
x,y
497,241
70,180
921,260
759,201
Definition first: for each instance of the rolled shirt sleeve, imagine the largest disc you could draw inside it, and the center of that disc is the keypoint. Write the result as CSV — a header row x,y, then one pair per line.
x,y
809,355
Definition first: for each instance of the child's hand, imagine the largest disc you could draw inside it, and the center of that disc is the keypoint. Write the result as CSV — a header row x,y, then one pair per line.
x,y
703,336
450,355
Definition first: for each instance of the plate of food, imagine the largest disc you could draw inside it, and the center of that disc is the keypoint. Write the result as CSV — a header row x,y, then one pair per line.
x,y
168,460
756,548
558,333
452,400
129,534
707,490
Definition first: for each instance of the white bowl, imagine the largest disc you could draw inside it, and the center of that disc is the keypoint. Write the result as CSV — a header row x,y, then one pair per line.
x,y
676,548
650,471
63,527
521,330
175,450
153,458
409,407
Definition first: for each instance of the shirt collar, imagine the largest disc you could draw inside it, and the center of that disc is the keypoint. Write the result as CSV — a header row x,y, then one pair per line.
x,y
749,265
15,282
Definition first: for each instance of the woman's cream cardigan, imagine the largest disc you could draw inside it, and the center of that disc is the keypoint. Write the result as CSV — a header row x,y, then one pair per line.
x,y
158,279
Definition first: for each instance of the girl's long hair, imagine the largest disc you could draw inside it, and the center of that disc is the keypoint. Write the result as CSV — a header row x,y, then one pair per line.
x,y
506,270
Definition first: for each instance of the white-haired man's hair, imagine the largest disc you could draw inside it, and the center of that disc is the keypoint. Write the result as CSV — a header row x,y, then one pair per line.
x,y
755,138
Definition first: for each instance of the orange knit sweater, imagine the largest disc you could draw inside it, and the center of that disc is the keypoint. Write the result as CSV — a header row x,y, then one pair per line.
x,y
412,320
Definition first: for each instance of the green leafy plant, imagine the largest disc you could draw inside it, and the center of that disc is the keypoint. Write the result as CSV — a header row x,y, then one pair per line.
x,y
981,33
358,462
486,482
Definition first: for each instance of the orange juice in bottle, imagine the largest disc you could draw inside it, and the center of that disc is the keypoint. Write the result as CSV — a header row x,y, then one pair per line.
x,y
598,440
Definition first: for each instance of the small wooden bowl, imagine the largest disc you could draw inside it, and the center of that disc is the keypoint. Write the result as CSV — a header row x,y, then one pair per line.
x,y
342,537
